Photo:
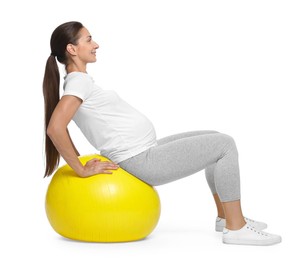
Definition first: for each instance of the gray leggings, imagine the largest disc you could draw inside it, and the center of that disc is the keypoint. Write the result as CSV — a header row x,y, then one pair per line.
x,y
181,155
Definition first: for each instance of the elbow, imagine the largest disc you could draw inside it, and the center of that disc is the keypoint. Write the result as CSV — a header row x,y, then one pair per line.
x,y
52,130
49,131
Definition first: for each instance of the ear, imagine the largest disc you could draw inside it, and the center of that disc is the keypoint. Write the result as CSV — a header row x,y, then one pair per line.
x,y
71,49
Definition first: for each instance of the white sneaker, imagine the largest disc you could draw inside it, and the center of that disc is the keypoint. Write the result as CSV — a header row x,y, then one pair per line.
x,y
220,224
248,235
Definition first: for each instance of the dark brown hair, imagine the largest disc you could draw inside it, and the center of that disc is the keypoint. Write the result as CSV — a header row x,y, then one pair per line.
x,y
63,35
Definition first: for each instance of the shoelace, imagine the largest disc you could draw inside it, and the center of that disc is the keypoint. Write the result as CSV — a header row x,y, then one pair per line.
x,y
259,232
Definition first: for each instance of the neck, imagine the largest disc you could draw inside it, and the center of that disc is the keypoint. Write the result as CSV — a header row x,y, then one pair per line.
x,y
76,68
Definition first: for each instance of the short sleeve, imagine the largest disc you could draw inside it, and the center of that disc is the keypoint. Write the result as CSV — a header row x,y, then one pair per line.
x,y
78,85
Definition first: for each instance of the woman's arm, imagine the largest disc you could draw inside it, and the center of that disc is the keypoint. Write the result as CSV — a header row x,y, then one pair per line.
x,y
78,154
58,133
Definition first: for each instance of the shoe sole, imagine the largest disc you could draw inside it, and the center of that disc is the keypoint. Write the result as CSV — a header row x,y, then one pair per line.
x,y
251,243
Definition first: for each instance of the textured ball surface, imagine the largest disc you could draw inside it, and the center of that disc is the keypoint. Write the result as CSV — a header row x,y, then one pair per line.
x,y
115,207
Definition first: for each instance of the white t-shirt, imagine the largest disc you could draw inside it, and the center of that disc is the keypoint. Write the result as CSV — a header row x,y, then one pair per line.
x,y
111,125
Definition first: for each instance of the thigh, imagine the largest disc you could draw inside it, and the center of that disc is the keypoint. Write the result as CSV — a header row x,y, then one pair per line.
x,y
184,135
177,159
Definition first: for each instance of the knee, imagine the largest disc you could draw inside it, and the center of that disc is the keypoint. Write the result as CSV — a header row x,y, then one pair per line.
x,y
228,138
229,142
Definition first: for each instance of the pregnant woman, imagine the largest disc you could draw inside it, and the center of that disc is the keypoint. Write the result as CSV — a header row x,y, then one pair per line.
x,y
127,137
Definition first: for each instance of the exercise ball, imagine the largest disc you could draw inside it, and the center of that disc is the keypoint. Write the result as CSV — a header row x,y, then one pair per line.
x,y
115,207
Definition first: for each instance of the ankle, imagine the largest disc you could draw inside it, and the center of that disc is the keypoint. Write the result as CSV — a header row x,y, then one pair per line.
x,y
235,225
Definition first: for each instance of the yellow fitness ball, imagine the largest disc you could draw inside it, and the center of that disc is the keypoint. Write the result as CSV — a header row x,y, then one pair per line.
x,y
115,207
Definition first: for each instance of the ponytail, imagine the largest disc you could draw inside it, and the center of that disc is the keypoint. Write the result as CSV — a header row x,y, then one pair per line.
x,y
63,35
51,98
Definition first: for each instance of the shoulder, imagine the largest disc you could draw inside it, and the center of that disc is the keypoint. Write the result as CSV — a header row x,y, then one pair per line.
x,y
78,77
78,84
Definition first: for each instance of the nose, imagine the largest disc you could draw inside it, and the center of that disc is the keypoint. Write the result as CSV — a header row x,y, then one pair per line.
x,y
96,46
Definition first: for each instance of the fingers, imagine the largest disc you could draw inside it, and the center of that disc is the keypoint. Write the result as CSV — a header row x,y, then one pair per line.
x,y
109,166
105,163
104,167
106,172
96,166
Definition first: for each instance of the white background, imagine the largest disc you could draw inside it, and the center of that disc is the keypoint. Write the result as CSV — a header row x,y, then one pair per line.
x,y
230,66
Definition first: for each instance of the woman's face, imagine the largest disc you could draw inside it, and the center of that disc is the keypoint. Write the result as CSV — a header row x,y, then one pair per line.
x,y
86,47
